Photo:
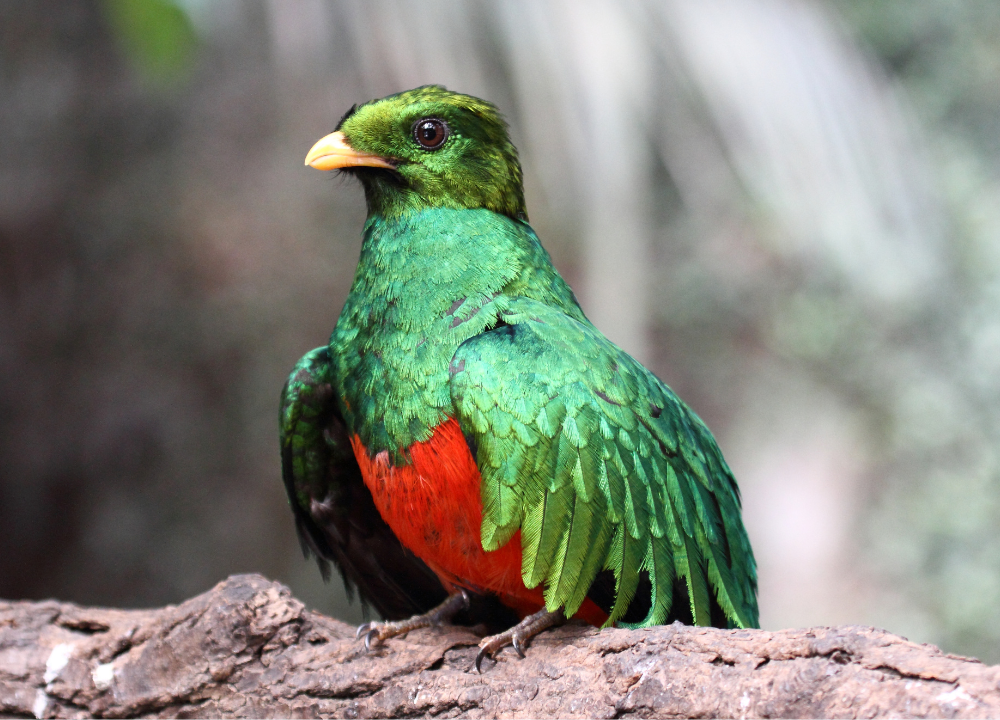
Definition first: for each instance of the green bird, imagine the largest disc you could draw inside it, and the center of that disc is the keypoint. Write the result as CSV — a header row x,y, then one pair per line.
x,y
468,441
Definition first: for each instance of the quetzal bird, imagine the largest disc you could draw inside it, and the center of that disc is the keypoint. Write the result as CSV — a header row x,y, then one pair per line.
x,y
468,441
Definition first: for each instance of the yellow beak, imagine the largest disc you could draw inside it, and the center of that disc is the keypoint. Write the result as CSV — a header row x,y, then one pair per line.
x,y
333,152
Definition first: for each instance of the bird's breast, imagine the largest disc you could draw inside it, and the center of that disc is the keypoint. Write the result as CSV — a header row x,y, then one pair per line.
x,y
434,506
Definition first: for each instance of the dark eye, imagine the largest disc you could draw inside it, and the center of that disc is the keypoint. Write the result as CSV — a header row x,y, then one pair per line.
x,y
430,133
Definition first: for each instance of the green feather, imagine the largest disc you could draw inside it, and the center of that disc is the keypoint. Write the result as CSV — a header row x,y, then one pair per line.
x,y
457,312
626,572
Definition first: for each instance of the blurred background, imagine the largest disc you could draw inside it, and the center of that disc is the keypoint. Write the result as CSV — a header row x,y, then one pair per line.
x,y
790,210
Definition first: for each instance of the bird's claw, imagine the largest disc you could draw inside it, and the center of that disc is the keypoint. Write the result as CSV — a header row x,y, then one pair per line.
x,y
483,652
371,632
517,636
518,643
490,646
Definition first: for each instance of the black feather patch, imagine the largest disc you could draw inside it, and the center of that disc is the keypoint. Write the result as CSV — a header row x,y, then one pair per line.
x,y
340,123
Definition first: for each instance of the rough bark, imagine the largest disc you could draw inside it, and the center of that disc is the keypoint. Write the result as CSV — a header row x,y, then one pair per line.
x,y
247,648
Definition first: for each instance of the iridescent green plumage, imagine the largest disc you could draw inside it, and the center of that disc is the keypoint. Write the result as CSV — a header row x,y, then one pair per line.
x,y
457,312
601,466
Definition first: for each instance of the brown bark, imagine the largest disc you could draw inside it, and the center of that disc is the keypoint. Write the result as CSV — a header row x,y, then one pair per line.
x,y
247,648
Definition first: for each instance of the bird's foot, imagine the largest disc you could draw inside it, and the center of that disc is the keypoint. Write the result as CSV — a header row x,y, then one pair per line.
x,y
518,635
376,632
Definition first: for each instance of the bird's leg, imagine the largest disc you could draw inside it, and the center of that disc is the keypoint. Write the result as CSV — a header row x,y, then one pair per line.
x,y
519,634
376,632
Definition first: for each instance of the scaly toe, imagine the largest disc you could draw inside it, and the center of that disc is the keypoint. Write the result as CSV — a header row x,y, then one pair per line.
x,y
518,636
375,632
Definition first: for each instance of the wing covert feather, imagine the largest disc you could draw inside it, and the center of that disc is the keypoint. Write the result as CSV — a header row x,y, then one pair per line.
x,y
602,467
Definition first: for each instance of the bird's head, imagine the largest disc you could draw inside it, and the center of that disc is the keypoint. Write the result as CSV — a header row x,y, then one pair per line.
x,y
425,148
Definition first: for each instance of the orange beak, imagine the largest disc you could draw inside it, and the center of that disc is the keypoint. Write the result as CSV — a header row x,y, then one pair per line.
x,y
333,152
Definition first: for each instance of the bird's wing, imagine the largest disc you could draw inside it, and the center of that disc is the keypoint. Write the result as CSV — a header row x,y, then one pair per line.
x,y
601,467
335,516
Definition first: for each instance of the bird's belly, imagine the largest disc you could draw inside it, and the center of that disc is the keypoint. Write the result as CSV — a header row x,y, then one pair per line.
x,y
434,507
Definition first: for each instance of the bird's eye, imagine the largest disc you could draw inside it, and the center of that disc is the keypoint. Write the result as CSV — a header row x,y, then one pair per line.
x,y
430,133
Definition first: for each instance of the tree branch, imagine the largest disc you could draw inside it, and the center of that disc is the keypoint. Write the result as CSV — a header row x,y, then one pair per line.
x,y
247,648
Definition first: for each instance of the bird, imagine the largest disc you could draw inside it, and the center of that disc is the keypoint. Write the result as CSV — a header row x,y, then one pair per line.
x,y
468,442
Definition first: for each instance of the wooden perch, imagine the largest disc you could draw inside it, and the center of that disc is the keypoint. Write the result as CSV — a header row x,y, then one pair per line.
x,y
247,648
